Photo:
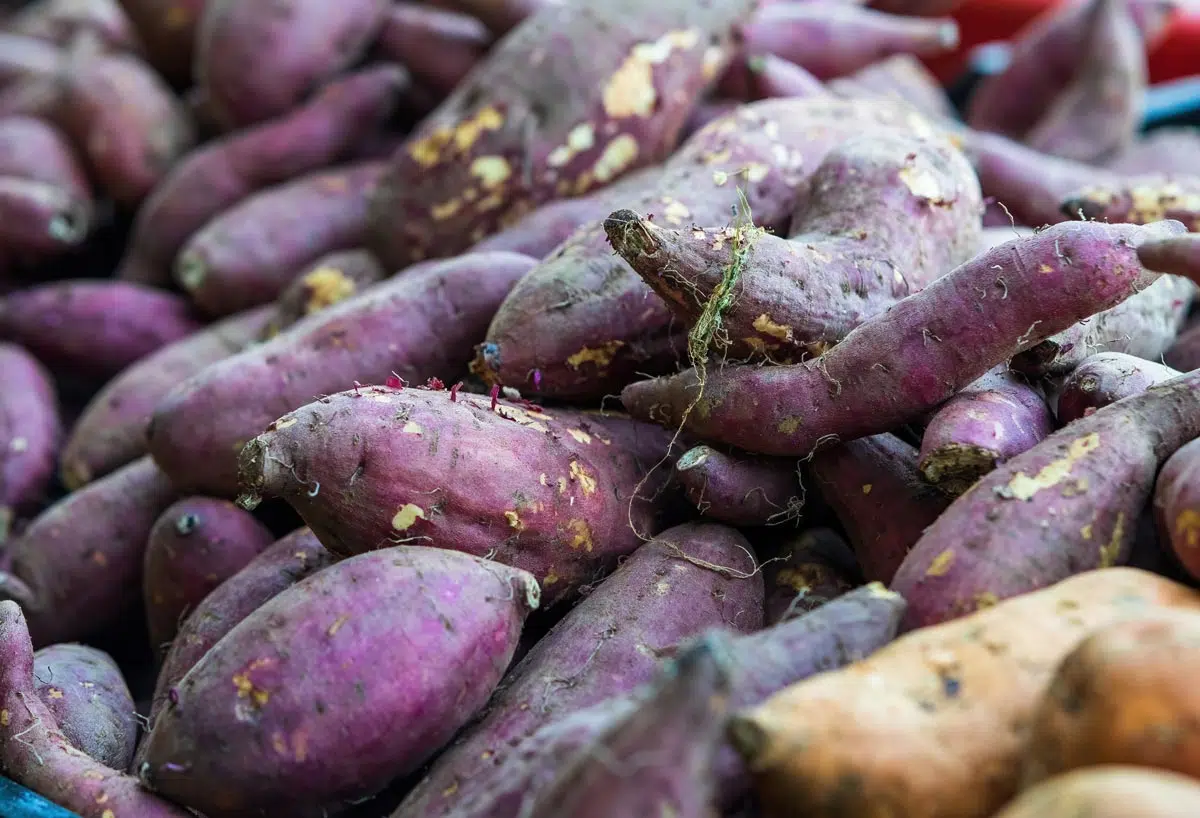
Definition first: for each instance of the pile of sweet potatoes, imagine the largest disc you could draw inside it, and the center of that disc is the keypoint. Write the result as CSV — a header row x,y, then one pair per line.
x,y
546,408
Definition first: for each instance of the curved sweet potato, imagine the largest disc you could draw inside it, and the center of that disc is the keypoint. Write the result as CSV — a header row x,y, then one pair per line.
x,y
740,490
30,433
84,691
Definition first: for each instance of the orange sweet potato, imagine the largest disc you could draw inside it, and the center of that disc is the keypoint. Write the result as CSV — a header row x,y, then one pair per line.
x,y
1109,792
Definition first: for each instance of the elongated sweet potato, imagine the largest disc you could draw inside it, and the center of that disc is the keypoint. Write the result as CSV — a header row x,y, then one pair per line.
x,y
667,591
1067,505
759,76
439,47
832,39
874,487
332,278
1179,255
93,328
1143,325
1099,112
84,691
884,215
804,571
1105,378
167,31
111,431
552,111
194,546
1122,696
1109,791
419,325
740,489
312,648
45,200
900,77
30,433
583,324
919,353
247,256
1177,506
944,709
216,177
847,629
992,420
62,21
35,752
378,466
257,61
78,566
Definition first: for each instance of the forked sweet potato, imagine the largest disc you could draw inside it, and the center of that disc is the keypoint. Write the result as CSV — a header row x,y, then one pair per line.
x,y
804,571
35,752
332,278
439,47
1177,506
1105,378
377,466
1124,695
668,590
552,111
84,691
740,489
419,325
943,709
302,657
1067,505
167,31
919,353
874,487
1109,791
30,434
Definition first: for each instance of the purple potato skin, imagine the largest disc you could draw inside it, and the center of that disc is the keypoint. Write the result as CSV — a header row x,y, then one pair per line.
x,y
30,432
1105,378
739,489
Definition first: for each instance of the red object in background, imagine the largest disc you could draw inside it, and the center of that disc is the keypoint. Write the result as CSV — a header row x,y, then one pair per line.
x,y
984,21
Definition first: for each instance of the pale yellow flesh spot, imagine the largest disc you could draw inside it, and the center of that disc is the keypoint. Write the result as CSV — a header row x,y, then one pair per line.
x,y
55,693
600,356
1187,527
491,171
616,158
581,138
408,514
550,579
941,564
412,428
1110,552
1024,487
445,210
514,521
676,213
789,426
284,423
580,436
326,286
581,535
337,624
630,90
580,474
766,326
921,183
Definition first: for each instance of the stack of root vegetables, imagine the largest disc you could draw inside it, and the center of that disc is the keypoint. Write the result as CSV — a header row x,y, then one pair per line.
x,y
572,408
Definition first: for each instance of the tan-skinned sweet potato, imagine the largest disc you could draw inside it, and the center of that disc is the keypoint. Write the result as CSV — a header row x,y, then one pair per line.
x,y
30,434
1105,378
1109,792
1177,506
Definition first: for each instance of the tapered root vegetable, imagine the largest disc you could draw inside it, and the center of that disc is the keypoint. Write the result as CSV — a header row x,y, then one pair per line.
x,y
62,21
874,487
919,353
1138,201
1100,111
329,280
1105,378
84,691
215,177
362,469
45,200
833,39
1067,505
901,77
167,32
257,61
111,431
78,566
1179,255
420,325
30,433
437,46
686,580
1109,791
1177,506
313,646
970,685
194,546
94,328
35,752
556,125
805,571
1124,695
740,489
883,216
596,324
992,420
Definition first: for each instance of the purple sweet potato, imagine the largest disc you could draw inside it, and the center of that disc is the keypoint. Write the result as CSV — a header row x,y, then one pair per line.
x,y
901,77
256,61
832,39
93,328
77,568
500,16
740,489
883,216
1105,378
247,256
62,21
762,76
665,592
330,279
1177,506
167,31
874,487
1099,112
1138,201
26,57
316,645
1069,504
214,178
111,431
1184,352
1144,325
535,121
378,466
1179,255
437,46
419,325
194,546
804,571
30,433
35,752
583,323
918,354
45,200
84,691
1170,151
987,423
